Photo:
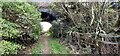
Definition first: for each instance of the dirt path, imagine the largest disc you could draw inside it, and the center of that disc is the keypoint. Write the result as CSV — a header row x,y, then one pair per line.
x,y
45,45
46,49
43,39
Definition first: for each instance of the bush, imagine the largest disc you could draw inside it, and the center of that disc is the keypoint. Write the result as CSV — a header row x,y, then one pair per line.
x,y
9,29
25,15
16,20
7,47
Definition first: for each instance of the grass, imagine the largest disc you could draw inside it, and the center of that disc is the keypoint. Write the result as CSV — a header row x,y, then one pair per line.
x,y
56,47
38,49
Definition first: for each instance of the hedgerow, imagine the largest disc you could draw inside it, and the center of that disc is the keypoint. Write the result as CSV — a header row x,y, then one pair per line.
x,y
7,47
25,15
18,21
9,29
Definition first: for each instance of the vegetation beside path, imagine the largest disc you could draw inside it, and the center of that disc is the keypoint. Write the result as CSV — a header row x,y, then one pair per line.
x,y
54,45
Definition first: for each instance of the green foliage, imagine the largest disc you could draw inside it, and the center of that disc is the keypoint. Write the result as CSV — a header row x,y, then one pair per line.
x,y
7,47
38,49
57,48
0,9
16,19
25,15
9,29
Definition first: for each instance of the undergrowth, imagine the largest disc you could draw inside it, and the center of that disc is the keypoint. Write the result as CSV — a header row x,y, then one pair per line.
x,y
38,49
56,47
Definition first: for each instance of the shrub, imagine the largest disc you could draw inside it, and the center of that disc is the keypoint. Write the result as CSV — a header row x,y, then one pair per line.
x,y
9,29
7,47
25,15
16,20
